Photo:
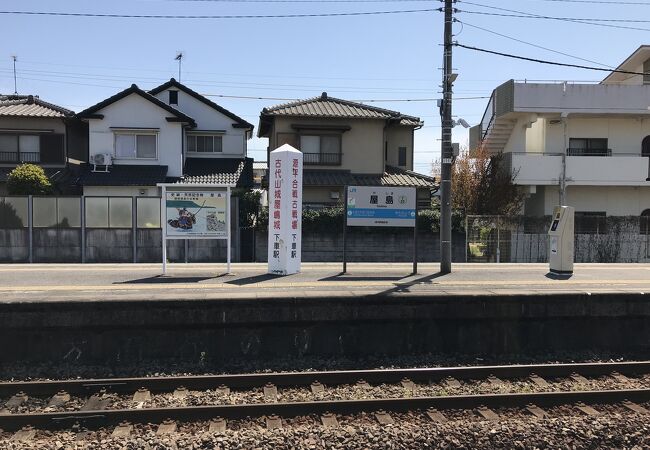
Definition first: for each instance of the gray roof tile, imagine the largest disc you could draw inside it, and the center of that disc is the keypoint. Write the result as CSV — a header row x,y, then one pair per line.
x,y
30,106
235,172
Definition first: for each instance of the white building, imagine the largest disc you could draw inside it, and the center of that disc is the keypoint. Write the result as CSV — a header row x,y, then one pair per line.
x,y
584,145
168,134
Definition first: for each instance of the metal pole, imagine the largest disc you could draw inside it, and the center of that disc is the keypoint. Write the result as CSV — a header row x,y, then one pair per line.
x,y
415,236
30,226
134,228
163,226
83,229
228,219
345,227
445,182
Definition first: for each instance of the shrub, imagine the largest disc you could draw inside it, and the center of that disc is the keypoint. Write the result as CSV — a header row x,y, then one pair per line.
x,y
28,179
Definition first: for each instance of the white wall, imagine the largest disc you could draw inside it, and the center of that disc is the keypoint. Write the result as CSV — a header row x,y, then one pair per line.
x,y
125,191
614,200
208,118
136,112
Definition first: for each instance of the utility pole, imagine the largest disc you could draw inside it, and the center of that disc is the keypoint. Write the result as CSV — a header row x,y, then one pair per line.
x,y
15,84
447,152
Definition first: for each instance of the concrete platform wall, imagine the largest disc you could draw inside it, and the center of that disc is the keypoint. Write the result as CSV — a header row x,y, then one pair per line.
x,y
125,332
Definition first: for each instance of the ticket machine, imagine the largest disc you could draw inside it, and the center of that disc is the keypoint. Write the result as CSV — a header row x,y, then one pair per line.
x,y
560,255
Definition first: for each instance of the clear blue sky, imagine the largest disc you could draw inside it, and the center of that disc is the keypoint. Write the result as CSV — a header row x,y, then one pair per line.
x,y
78,61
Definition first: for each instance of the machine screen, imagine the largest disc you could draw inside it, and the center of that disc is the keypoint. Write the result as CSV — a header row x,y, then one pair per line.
x,y
554,225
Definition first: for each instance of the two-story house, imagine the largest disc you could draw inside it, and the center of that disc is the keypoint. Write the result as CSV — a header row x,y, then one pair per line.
x,y
346,143
35,131
584,145
169,134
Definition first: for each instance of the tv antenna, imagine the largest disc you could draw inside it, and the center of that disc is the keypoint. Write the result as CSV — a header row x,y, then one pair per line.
x,y
179,58
15,58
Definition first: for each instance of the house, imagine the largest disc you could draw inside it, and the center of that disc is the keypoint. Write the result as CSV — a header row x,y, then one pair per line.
x,y
346,143
583,145
138,139
35,131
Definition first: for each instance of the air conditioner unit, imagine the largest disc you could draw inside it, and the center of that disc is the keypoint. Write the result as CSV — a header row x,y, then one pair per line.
x,y
334,195
103,160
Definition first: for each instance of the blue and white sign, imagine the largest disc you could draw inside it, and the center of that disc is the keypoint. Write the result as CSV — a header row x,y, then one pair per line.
x,y
379,206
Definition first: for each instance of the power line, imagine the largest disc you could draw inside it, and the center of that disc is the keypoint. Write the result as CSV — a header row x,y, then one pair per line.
x,y
542,61
599,2
299,1
236,16
531,44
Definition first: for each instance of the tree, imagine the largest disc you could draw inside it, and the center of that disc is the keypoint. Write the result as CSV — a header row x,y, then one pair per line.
x,y
28,179
483,185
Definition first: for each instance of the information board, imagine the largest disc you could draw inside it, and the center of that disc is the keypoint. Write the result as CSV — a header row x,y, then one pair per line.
x,y
196,214
379,206
285,210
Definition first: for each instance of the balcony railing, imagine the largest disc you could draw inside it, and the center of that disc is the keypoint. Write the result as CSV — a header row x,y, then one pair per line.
x,y
22,157
322,159
588,152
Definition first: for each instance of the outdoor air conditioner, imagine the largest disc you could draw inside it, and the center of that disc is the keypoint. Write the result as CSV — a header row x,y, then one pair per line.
x,y
101,159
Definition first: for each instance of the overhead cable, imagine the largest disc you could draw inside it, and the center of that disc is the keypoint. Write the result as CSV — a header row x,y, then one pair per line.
x,y
542,61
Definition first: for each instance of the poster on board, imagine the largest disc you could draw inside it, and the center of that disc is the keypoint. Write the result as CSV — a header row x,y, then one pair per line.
x,y
196,214
381,206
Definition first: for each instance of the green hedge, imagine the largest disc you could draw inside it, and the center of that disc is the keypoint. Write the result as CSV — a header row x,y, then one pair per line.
x,y
331,219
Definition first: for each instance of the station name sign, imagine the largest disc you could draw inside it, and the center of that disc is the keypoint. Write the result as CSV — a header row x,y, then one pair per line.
x,y
379,206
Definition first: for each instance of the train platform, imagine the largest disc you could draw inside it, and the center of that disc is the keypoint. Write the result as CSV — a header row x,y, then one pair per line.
x,y
111,282
119,313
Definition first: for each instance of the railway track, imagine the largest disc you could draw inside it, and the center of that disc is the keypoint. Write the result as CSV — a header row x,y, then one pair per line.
x,y
87,403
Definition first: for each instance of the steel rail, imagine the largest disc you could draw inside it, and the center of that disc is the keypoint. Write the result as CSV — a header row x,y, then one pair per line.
x,y
300,379
102,418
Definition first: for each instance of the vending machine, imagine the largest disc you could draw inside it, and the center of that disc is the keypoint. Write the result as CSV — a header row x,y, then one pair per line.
x,y
560,255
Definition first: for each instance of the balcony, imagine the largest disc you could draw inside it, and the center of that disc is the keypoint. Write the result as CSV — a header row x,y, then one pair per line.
x,y
321,159
588,152
611,169
22,157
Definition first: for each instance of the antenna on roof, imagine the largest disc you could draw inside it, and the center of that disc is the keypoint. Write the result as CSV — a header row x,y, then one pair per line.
x,y
179,58
15,58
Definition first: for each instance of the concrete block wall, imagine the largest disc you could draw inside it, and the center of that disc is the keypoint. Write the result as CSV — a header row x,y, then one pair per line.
x,y
369,246
109,245
57,245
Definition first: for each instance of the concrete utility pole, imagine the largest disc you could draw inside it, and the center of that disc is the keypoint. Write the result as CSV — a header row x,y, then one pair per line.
x,y
447,152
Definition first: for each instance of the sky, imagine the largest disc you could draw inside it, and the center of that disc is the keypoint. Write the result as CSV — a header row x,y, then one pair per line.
x,y
78,61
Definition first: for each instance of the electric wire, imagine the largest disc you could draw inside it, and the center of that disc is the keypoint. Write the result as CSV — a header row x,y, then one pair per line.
x,y
219,17
542,61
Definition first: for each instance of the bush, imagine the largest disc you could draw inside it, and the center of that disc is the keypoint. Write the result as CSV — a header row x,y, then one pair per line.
x,y
28,179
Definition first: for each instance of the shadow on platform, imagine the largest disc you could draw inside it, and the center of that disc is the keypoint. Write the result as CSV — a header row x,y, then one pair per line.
x,y
405,287
343,277
558,276
161,279
255,279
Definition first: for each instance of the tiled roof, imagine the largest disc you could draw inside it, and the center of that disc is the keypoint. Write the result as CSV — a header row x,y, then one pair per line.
x,y
30,106
241,123
123,175
330,107
235,172
260,165
90,113
393,176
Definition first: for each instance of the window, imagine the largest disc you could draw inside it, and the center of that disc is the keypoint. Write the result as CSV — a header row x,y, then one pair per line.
x,y
591,222
135,146
173,97
646,72
401,157
588,147
321,149
204,143
17,148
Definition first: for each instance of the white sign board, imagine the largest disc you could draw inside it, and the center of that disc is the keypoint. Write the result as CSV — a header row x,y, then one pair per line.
x,y
196,214
379,206
285,210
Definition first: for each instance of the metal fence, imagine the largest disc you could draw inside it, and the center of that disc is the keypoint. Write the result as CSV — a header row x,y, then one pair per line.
x,y
519,239
94,229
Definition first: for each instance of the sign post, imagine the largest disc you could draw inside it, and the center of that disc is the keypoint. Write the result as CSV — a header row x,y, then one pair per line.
x,y
285,211
195,212
380,206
